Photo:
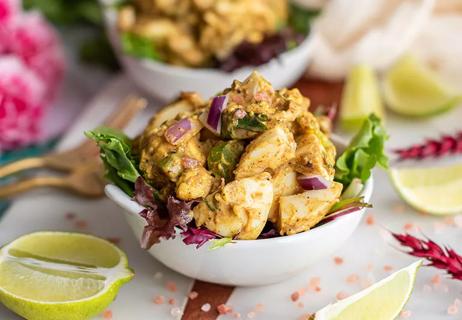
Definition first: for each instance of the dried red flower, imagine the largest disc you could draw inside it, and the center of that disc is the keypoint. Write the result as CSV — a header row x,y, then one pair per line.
x,y
439,257
447,144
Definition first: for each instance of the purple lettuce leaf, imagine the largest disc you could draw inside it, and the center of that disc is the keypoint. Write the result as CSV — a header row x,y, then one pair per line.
x,y
198,236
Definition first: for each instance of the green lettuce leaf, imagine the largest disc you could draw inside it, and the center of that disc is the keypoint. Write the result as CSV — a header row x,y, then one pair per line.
x,y
138,46
115,151
363,153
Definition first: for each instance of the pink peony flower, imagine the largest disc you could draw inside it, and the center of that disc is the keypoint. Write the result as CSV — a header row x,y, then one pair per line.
x,y
37,43
22,95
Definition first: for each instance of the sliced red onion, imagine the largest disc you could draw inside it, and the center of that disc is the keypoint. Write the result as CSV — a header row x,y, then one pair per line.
x,y
313,182
178,130
341,213
213,119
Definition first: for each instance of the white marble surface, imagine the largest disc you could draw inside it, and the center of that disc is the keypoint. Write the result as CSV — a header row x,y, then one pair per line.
x,y
46,209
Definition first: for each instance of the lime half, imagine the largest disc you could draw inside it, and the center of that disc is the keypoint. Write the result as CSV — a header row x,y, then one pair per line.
x,y
360,97
381,301
61,276
412,89
434,190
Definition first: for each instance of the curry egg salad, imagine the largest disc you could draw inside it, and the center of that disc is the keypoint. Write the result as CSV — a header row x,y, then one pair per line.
x,y
249,155
224,34
250,163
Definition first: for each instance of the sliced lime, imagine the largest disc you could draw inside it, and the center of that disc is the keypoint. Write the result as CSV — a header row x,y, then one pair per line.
x,y
61,276
381,301
434,190
412,89
360,97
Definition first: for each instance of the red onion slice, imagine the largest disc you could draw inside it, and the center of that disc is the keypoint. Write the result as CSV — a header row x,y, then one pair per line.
x,y
313,182
213,120
175,132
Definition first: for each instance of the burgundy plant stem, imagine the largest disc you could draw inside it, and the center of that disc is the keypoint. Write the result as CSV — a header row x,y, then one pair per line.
x,y
437,256
432,148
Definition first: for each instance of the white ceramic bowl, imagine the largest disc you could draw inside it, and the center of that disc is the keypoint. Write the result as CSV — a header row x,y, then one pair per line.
x,y
246,262
165,81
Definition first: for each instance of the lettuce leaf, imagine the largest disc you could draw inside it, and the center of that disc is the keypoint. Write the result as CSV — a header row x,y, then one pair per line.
x,y
139,47
115,151
365,151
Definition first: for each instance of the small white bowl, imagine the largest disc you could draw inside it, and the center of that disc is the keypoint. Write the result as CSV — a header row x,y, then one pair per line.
x,y
166,81
246,262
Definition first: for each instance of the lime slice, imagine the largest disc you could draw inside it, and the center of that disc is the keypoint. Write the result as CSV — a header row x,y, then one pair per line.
x,y
412,89
433,190
360,97
381,301
61,276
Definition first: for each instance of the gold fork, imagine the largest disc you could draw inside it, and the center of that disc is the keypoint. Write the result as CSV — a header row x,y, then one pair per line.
x,y
80,155
85,180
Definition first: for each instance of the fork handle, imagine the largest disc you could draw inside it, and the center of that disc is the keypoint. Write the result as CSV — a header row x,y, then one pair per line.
x,y
26,185
24,164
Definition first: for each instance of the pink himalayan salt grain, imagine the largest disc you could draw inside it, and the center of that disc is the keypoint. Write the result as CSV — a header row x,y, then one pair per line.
x,y
295,296
236,315
251,315
171,301
352,278
408,226
159,299
206,307
453,310
107,315
458,221
341,295
224,309
317,289
81,224
259,307
300,305
370,220
338,260
370,267
193,295
70,215
399,208
314,282
449,221
158,275
436,280
387,268
405,314
171,286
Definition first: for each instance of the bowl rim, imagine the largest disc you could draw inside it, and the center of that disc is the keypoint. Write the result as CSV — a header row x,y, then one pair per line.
x,y
306,44
124,201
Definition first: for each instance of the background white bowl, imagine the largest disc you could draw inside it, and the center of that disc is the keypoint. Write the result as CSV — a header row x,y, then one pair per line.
x,y
246,262
165,81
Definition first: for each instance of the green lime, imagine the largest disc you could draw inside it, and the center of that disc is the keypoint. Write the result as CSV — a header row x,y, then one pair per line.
x,y
381,301
412,89
434,190
61,276
360,97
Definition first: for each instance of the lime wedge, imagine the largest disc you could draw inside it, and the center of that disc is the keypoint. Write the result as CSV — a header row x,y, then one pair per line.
x,y
381,301
61,276
360,97
412,89
434,190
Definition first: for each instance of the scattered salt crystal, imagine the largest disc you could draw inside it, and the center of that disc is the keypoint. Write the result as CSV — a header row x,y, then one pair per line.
x,y
370,220
159,299
436,280
408,226
236,315
370,267
171,301
399,208
158,275
81,224
193,295
107,315
259,307
171,286
449,221
317,289
387,268
457,302
352,278
427,288
453,310
300,305
314,282
341,295
176,312
458,221
251,315
295,296
405,314
224,309
338,260
70,215
206,307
